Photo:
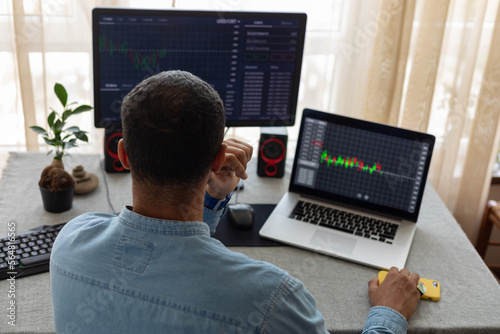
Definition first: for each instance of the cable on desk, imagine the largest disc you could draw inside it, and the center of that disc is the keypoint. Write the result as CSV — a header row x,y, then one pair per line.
x,y
225,133
106,184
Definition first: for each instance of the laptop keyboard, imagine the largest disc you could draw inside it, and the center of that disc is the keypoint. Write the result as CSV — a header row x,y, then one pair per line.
x,y
347,222
28,253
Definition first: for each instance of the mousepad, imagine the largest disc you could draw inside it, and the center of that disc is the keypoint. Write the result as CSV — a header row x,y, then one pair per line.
x,y
230,236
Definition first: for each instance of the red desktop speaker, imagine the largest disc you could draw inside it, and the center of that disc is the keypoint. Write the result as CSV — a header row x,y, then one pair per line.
x,y
272,152
112,163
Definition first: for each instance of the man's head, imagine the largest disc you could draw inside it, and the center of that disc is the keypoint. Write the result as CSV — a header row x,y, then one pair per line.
x,y
173,127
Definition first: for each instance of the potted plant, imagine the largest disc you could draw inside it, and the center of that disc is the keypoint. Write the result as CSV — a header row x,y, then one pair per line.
x,y
57,185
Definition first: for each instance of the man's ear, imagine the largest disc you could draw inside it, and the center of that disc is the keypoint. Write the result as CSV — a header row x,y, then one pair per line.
x,y
219,158
122,155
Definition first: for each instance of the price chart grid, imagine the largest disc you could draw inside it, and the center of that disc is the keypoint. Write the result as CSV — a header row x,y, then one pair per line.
x,y
392,186
127,55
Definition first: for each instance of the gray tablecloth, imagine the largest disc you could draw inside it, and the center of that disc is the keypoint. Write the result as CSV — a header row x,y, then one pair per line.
x,y
470,301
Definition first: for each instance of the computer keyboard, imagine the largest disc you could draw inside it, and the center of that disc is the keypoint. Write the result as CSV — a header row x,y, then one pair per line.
x,y
344,221
28,253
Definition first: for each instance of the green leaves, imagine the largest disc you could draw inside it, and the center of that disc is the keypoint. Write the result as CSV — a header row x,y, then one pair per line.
x,y
51,118
79,134
66,114
77,110
70,144
82,136
81,109
52,141
72,129
61,93
39,130
58,136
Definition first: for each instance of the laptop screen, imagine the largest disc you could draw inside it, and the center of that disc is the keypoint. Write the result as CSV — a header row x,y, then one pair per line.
x,y
362,164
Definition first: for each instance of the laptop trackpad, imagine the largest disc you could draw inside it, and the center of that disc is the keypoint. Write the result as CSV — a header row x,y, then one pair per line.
x,y
329,241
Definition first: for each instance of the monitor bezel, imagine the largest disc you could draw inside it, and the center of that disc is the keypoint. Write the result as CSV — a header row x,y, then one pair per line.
x,y
302,17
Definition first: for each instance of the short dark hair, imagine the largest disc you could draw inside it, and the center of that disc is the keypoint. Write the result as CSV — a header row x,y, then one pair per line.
x,y
173,126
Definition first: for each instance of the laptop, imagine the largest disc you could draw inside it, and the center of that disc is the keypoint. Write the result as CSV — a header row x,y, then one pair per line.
x,y
355,190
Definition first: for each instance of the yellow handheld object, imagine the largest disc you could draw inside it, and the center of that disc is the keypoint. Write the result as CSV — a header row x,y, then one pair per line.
x,y
429,289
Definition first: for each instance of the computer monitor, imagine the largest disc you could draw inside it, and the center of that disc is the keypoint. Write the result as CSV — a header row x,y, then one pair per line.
x,y
252,59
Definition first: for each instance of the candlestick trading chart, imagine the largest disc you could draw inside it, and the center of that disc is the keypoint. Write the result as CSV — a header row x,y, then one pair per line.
x,y
365,165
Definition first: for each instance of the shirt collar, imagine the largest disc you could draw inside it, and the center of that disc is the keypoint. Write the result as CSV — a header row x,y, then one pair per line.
x,y
153,225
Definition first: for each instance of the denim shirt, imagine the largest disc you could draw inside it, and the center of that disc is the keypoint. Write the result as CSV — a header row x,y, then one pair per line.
x,y
134,274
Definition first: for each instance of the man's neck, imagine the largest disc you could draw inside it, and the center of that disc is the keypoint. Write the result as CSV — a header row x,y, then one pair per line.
x,y
169,205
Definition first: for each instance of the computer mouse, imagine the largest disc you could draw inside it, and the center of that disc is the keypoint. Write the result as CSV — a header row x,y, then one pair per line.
x,y
240,216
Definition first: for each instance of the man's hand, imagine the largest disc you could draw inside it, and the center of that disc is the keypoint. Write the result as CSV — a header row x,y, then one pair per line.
x,y
398,291
223,181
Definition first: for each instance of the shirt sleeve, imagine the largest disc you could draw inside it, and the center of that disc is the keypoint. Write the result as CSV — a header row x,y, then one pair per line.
x,y
212,218
293,310
383,320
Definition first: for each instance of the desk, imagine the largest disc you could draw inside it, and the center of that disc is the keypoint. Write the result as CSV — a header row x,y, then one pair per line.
x,y
470,295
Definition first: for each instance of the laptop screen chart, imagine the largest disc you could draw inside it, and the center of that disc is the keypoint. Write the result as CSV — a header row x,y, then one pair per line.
x,y
367,166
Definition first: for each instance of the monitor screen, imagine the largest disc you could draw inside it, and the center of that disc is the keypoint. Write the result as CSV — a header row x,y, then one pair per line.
x,y
252,59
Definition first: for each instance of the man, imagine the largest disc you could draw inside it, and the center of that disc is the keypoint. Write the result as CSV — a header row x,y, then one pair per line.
x,y
155,268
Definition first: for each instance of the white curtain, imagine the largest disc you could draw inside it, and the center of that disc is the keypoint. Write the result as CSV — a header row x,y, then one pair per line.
x,y
425,65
